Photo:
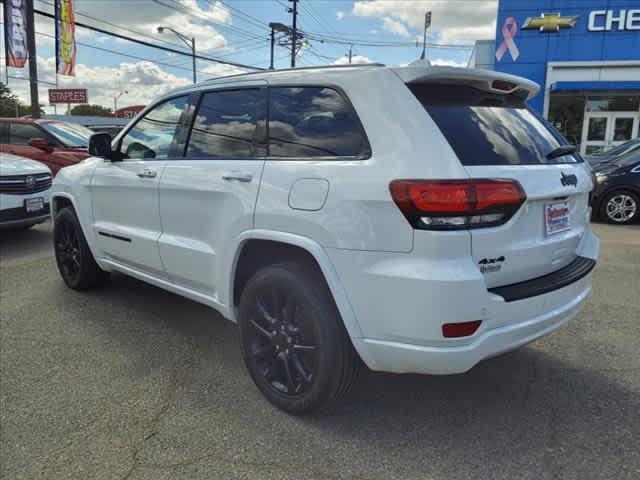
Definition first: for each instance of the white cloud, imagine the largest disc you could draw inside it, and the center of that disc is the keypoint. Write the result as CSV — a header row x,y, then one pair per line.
x,y
144,16
144,81
395,26
340,14
221,70
358,59
454,22
448,63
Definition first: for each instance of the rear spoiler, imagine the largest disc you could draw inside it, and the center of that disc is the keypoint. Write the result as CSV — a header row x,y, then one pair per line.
x,y
487,80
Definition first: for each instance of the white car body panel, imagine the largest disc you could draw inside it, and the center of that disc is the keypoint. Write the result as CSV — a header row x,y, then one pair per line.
x,y
394,286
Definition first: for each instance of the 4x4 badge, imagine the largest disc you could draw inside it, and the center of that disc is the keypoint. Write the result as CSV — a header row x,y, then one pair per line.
x,y
567,180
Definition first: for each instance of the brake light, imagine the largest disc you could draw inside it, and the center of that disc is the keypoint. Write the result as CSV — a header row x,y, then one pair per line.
x,y
464,329
457,204
503,85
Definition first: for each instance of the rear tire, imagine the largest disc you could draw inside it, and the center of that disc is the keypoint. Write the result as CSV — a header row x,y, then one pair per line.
x,y
620,207
293,341
76,264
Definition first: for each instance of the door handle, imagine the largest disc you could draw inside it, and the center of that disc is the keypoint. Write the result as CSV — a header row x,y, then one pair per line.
x,y
239,176
147,173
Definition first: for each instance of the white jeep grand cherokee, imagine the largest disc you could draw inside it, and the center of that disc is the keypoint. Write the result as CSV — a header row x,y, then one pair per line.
x,y
419,219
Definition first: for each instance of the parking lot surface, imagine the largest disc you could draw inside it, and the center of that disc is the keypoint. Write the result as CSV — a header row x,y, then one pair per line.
x,y
132,382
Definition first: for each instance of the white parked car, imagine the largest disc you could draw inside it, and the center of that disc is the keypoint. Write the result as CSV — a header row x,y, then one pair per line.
x,y
418,219
25,188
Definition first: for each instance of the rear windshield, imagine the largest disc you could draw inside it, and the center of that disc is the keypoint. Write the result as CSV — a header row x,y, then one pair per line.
x,y
491,129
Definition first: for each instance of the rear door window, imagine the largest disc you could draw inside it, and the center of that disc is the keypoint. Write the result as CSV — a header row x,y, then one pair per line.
x,y
226,124
491,129
314,122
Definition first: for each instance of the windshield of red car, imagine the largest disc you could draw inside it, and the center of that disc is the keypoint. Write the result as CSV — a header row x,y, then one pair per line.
x,y
70,134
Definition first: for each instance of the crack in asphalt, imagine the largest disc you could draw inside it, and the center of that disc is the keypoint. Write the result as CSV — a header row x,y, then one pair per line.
x,y
173,393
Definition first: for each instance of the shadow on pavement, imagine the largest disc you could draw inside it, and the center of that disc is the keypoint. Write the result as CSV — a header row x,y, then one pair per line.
x,y
526,411
17,244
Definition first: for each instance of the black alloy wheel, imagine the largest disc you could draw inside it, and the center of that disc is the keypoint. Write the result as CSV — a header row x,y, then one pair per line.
x,y
67,247
293,341
76,264
282,344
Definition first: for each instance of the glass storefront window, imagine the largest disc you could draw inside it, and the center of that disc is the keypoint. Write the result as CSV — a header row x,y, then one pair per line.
x,y
620,103
566,113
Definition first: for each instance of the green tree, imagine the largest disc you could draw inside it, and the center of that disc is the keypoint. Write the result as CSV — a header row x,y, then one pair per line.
x,y
91,110
11,106
8,102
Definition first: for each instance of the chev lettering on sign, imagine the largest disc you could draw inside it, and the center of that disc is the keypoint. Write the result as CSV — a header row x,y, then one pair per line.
x,y
605,20
67,95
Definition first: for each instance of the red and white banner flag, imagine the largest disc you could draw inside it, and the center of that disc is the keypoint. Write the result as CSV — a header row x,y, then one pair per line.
x,y
65,38
15,33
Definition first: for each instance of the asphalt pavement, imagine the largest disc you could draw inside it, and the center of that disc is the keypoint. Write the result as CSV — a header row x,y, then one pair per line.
x,y
132,382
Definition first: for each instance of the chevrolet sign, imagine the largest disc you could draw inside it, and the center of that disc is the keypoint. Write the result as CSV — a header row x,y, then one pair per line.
x,y
549,22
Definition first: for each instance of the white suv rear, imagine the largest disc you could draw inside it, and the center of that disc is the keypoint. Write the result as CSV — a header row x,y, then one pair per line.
x,y
420,218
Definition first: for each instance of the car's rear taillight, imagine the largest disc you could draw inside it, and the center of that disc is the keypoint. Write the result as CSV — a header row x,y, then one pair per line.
x,y
457,204
456,330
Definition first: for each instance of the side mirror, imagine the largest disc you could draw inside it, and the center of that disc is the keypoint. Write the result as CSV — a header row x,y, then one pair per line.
x,y
40,144
100,145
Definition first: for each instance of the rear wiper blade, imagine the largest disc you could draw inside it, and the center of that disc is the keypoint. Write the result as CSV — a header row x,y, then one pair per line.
x,y
560,151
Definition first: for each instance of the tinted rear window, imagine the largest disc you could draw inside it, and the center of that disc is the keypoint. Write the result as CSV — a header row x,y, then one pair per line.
x,y
490,129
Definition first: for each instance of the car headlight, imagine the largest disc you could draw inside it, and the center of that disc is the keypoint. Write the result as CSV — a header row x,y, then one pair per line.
x,y
601,178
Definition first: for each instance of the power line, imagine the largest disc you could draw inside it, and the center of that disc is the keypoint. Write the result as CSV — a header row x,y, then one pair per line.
x,y
153,45
178,7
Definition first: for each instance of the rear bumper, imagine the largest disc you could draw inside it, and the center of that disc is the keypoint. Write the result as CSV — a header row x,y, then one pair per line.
x,y
407,358
401,301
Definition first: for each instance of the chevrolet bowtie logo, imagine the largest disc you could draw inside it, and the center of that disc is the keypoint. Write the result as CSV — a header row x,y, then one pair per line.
x,y
549,22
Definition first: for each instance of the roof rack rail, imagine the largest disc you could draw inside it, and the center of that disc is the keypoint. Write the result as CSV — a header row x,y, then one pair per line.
x,y
318,67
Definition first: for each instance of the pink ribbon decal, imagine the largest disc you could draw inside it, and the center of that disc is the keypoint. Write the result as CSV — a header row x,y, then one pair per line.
x,y
509,31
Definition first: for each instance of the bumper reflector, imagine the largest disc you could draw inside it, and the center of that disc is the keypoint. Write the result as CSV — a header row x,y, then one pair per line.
x,y
454,330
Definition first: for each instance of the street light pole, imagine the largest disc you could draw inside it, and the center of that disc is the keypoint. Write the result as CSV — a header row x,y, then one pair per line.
x,y
189,42
427,24
273,44
115,101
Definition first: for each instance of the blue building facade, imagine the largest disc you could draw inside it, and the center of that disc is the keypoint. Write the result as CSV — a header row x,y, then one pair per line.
x,y
585,54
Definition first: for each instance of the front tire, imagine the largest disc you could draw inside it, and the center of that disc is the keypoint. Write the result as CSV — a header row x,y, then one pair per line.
x,y
76,264
620,207
293,341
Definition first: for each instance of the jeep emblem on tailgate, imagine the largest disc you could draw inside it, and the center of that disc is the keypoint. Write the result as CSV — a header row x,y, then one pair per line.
x,y
567,180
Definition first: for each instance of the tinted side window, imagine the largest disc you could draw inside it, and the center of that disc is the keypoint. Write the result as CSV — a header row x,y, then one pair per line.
x,y
225,124
4,133
21,133
313,122
153,135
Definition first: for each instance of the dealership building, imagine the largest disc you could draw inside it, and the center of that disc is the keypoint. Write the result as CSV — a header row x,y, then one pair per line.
x,y
585,54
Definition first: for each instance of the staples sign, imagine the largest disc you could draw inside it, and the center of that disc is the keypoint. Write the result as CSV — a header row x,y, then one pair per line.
x,y
68,95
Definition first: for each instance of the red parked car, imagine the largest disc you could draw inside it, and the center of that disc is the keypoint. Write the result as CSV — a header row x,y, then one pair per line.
x,y
54,143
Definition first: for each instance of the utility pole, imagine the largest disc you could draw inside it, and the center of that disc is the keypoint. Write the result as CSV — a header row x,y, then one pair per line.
x,y
427,24
273,44
33,61
350,53
294,35
193,56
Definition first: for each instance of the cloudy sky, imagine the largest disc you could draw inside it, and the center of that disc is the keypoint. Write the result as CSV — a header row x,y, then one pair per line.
x,y
237,31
